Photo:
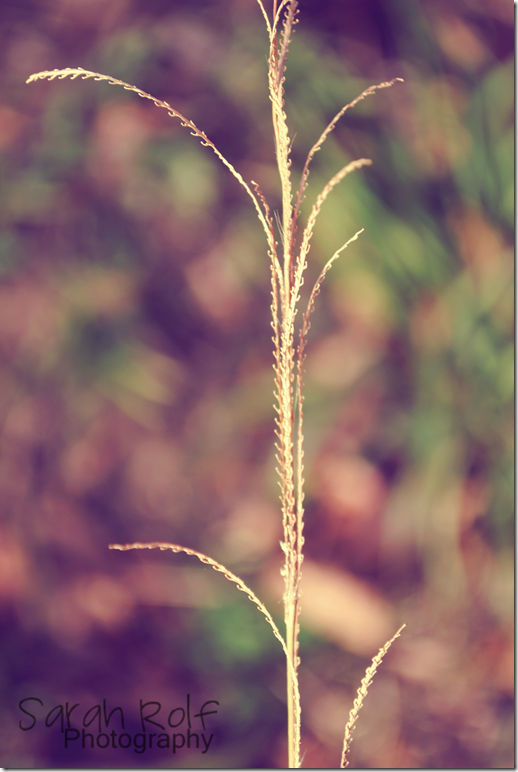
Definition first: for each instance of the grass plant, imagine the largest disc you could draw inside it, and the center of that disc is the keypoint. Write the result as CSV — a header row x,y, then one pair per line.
x,y
290,324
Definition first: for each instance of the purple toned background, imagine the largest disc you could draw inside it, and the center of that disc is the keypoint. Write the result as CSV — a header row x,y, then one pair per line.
x,y
136,379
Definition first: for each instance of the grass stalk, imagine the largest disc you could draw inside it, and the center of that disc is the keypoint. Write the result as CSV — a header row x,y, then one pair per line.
x,y
287,277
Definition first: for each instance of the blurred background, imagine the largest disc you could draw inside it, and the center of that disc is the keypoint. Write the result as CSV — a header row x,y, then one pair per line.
x,y
136,380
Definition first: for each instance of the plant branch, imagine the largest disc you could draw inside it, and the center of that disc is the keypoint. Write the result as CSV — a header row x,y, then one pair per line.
x,y
362,693
78,72
329,128
217,567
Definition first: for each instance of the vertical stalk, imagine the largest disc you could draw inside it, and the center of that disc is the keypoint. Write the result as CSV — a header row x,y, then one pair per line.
x,y
293,729
285,362
287,279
